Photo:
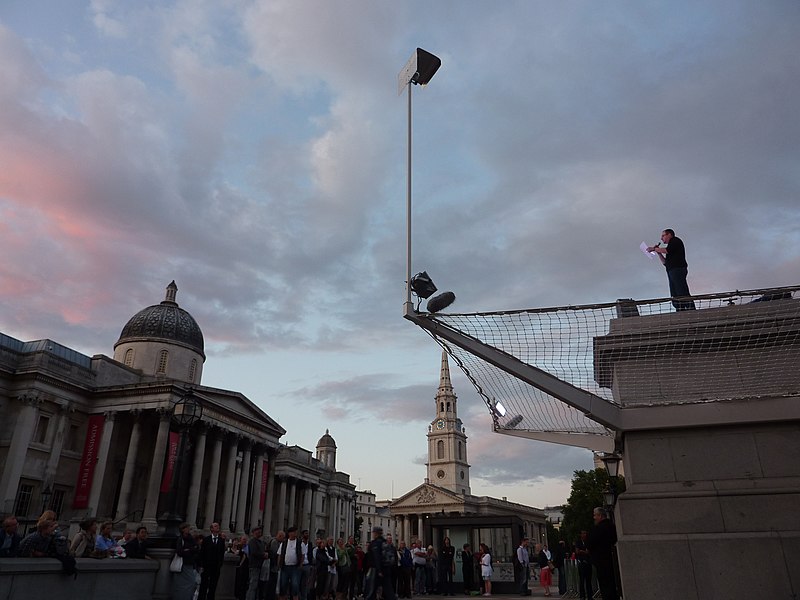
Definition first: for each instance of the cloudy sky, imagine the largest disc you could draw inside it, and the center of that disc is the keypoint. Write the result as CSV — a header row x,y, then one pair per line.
x,y
254,151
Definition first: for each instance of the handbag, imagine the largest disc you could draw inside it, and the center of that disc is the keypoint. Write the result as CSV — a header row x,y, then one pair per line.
x,y
176,566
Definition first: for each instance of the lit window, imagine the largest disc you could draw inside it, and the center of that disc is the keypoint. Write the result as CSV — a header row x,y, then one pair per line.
x,y
162,361
129,357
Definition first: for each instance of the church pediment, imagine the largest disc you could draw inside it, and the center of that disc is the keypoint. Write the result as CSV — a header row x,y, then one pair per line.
x,y
428,496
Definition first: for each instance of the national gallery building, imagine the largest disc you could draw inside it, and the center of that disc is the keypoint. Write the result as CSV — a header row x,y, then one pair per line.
x,y
137,437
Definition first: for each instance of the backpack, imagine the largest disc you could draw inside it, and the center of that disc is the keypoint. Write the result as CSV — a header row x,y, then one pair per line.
x,y
388,555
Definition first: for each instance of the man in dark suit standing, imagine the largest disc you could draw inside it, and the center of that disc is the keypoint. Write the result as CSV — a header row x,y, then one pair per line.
x,y
602,539
212,555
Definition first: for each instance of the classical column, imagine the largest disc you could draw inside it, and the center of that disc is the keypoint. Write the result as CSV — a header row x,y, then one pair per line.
x,y
102,461
312,520
420,530
333,517
130,467
213,480
244,481
15,460
407,529
51,468
270,503
292,512
306,520
281,505
156,470
227,491
255,497
197,474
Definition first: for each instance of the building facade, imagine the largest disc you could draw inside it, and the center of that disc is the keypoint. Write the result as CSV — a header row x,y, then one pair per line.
x,y
97,436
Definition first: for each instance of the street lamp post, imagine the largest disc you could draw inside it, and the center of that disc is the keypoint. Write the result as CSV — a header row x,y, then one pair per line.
x,y
187,411
419,70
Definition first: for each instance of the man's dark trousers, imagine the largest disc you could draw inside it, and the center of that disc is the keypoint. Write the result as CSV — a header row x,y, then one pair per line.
x,y
585,579
679,288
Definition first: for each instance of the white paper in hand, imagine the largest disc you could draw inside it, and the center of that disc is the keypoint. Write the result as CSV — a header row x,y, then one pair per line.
x,y
651,255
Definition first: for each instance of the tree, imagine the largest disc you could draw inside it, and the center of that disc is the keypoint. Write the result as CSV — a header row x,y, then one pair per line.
x,y
586,494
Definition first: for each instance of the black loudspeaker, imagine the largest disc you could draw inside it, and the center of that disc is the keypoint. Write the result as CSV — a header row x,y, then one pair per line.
x,y
441,301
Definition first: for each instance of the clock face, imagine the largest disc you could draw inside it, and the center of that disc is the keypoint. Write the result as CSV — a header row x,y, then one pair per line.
x,y
440,474
439,424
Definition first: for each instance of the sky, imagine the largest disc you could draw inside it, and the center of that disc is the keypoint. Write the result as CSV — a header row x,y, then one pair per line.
x,y
255,153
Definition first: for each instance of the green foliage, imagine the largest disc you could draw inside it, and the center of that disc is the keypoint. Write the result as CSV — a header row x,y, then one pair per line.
x,y
553,535
586,494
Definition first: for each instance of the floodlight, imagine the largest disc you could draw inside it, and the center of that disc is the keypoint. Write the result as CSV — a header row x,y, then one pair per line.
x,y
499,409
422,285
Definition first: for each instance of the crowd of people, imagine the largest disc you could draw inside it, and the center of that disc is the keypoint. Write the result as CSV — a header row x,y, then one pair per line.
x,y
292,566
591,553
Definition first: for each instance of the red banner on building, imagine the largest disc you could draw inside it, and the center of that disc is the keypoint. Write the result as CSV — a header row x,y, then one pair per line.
x,y
88,461
172,456
264,472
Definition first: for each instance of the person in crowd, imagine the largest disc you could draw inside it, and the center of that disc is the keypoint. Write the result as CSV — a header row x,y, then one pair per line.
x,y
420,559
126,537
307,567
242,576
381,560
361,569
523,567
270,570
431,576
343,570
545,568
137,547
559,556
406,571
322,561
105,542
39,544
290,562
211,559
60,541
350,547
333,576
184,584
447,567
486,569
9,538
468,568
83,543
257,553
601,543
584,567
391,559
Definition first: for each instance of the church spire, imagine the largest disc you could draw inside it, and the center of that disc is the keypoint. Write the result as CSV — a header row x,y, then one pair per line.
x,y
444,378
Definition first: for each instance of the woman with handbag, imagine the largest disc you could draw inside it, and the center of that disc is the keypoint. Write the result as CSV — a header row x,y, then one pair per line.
x,y
185,578
545,569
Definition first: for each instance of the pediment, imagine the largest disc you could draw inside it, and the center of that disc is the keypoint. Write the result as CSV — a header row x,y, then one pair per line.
x,y
428,497
236,411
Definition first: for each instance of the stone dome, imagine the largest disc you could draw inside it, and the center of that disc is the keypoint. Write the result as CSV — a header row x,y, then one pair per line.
x,y
326,441
164,322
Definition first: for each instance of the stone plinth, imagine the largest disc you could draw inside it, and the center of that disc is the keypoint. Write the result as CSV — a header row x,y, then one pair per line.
x,y
712,507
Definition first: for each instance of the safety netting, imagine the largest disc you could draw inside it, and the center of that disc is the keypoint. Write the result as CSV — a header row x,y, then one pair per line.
x,y
617,353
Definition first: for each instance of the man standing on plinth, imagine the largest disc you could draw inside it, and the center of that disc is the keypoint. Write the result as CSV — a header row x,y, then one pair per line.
x,y
673,257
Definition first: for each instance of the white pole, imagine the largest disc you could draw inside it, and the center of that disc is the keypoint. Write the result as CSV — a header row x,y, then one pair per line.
x,y
408,303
